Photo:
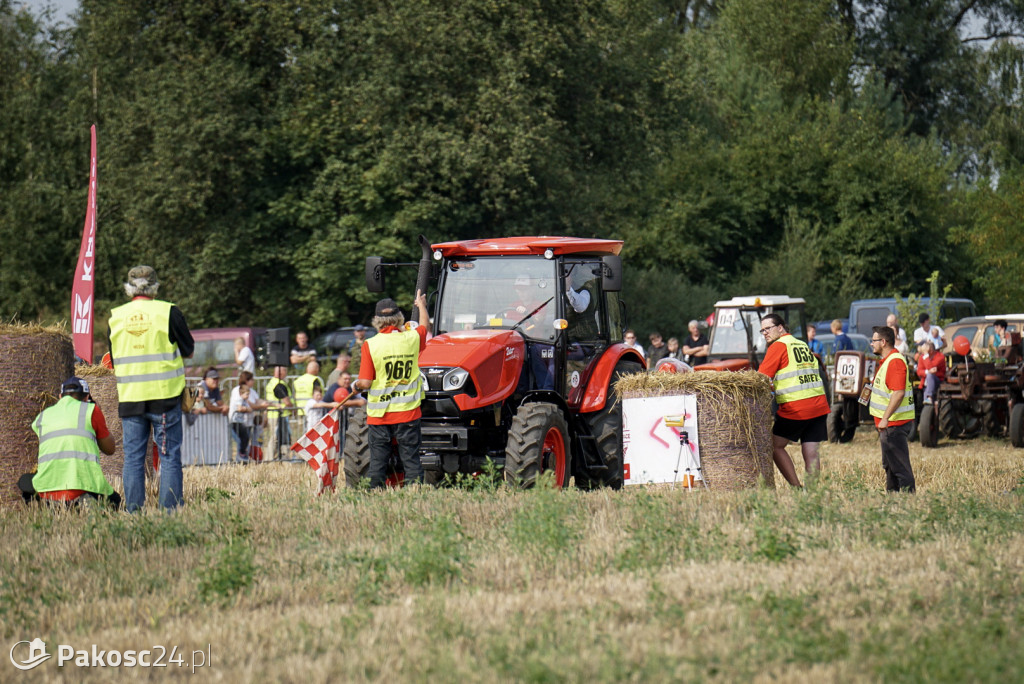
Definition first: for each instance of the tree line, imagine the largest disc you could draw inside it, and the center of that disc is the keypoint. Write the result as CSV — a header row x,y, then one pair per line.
x,y
256,151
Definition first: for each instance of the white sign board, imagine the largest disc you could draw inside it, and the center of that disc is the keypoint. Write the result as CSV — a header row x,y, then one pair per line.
x,y
651,450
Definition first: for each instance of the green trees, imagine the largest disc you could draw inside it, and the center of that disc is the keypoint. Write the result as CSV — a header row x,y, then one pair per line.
x,y
255,151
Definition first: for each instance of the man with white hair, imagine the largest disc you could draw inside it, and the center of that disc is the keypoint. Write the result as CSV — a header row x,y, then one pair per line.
x,y
391,371
901,335
148,340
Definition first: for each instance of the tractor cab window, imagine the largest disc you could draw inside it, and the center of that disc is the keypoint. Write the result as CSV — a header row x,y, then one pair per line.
x,y
732,326
502,292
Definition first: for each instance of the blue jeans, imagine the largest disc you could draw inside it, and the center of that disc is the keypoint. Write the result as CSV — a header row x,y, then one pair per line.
x,y
166,428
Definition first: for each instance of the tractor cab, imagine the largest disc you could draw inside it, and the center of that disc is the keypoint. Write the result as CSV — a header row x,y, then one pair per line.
x,y
736,339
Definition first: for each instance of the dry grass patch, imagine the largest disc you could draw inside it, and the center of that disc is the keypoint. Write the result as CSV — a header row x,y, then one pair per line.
x,y
838,581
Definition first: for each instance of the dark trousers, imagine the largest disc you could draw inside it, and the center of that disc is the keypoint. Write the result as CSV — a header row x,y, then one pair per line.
x,y
29,495
407,436
899,476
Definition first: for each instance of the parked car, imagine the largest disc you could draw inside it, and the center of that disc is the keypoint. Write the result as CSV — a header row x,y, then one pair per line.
x,y
979,329
867,313
216,347
329,344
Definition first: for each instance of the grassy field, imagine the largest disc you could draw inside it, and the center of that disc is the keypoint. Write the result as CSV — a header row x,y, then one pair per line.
x,y
836,582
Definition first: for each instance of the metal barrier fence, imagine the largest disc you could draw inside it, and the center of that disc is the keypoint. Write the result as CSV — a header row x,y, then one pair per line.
x,y
207,438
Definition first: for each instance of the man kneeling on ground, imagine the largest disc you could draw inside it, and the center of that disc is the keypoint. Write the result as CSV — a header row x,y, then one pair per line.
x,y
72,433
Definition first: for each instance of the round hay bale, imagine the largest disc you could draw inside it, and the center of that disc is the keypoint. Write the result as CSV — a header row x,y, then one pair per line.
x,y
734,420
103,387
34,361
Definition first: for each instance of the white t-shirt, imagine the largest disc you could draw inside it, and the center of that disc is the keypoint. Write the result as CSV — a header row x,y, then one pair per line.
x,y
246,361
237,401
934,332
314,413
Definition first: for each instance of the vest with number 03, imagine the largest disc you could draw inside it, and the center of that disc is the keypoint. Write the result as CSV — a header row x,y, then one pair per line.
x,y
880,393
800,378
147,364
396,385
69,457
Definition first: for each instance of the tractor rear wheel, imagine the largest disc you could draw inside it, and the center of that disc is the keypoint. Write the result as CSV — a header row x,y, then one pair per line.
x,y
950,420
357,449
929,428
1017,425
538,441
606,427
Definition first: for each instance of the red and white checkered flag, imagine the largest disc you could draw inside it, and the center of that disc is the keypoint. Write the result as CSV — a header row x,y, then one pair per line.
x,y
319,446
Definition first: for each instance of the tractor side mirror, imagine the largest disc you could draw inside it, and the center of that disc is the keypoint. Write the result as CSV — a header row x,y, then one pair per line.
x,y
374,274
611,273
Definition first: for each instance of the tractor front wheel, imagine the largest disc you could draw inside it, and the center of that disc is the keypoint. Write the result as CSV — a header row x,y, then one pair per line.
x,y
538,441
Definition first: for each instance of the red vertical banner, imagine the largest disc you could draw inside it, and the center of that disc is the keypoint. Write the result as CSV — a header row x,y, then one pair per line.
x,y
82,288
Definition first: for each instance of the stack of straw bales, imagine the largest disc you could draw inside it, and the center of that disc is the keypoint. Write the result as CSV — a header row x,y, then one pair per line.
x,y
34,361
103,387
734,419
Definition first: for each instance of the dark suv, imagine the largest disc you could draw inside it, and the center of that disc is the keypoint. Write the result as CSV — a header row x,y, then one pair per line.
x,y
329,344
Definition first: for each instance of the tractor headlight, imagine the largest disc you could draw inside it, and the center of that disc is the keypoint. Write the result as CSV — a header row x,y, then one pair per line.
x,y
454,379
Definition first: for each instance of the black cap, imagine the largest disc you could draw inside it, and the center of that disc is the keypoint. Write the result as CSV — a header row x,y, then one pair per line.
x,y
386,307
74,385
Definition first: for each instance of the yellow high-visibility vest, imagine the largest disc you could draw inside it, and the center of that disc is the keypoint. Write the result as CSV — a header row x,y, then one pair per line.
x,y
147,364
396,385
69,457
880,393
800,378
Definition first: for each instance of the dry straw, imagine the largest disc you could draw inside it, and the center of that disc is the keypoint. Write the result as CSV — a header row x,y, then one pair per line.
x,y
733,421
34,361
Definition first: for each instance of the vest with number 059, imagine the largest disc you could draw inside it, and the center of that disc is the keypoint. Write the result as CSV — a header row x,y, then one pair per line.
x,y
69,457
147,364
800,378
880,393
396,385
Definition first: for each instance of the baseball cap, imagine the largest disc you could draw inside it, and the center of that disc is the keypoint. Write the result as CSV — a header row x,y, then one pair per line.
x,y
146,273
386,307
74,385
359,327
212,373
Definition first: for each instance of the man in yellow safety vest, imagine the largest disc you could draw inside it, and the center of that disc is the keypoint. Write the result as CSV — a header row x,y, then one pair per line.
x,y
148,340
800,395
892,406
390,370
72,433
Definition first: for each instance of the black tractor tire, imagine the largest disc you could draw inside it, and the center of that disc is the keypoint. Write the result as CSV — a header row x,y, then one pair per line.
x,y
950,420
357,449
1017,425
991,420
929,428
537,439
839,432
606,427
434,478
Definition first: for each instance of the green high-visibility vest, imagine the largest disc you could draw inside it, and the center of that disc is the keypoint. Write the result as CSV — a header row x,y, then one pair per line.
x,y
880,393
69,457
800,378
147,364
396,385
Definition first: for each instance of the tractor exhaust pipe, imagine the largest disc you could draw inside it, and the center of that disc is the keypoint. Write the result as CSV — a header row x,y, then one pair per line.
x,y
423,274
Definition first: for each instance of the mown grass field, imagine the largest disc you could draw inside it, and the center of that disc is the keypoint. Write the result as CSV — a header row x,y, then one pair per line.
x,y
836,582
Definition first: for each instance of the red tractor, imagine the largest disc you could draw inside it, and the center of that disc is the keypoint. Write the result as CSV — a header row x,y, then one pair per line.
x,y
519,371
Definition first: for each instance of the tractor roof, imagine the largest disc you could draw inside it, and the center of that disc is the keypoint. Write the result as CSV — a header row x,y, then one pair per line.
x,y
525,246
759,301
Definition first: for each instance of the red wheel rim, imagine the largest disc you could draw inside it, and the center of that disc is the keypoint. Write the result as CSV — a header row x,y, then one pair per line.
x,y
554,454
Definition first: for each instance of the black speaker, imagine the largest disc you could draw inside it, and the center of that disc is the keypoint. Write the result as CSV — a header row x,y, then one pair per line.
x,y
278,352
